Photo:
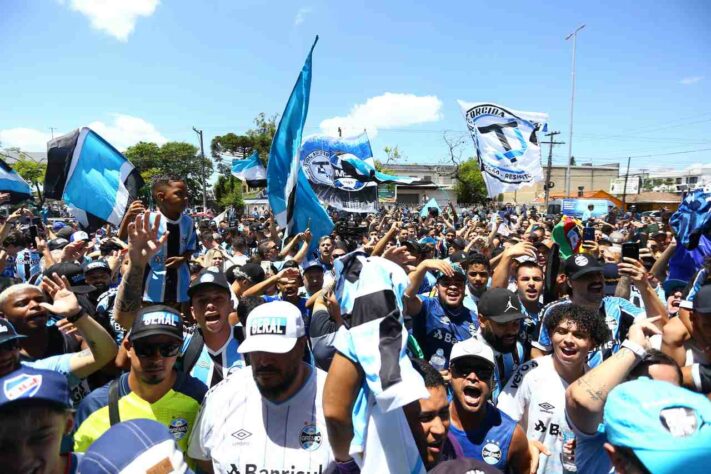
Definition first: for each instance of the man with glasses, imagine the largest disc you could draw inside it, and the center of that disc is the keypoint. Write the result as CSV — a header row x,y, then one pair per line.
x,y
152,388
477,428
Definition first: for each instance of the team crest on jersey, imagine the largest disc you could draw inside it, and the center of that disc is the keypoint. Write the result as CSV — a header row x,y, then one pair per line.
x,y
178,428
22,385
491,452
444,320
310,437
680,422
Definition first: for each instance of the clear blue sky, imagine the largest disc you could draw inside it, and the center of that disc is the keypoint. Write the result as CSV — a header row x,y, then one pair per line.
x,y
643,70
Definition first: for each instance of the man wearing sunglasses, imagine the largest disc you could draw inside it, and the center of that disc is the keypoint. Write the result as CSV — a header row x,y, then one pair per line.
x,y
152,388
477,428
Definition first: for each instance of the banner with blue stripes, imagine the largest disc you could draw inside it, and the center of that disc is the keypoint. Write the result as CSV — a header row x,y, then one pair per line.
x,y
95,181
13,184
250,170
323,159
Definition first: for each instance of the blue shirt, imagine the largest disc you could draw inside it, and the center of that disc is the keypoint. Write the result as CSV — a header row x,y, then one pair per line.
x,y
619,315
437,327
212,367
163,284
506,363
489,442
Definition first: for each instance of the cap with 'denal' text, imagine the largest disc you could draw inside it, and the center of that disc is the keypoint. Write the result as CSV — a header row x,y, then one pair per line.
x,y
273,327
157,320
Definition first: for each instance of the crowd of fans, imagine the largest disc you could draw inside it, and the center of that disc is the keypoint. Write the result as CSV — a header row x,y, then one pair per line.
x,y
461,341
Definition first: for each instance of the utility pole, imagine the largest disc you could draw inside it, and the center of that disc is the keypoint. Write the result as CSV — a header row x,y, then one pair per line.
x,y
202,161
546,186
624,190
573,35
340,133
51,129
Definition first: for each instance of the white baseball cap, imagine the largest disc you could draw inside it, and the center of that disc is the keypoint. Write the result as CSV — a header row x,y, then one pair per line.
x,y
472,347
273,327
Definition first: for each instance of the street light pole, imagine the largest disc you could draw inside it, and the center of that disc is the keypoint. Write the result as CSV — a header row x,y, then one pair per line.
x,y
202,161
573,35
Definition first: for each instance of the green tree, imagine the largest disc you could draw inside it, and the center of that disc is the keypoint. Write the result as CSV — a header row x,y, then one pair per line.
x,y
470,186
258,138
32,172
392,154
228,192
172,158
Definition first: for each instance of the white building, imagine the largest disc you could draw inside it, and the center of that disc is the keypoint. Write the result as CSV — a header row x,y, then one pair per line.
x,y
678,181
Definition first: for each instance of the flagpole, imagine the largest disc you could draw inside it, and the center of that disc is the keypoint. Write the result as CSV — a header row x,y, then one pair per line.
x,y
573,35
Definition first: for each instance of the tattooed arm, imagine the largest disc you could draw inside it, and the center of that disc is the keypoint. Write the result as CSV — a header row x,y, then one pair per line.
x,y
143,244
585,398
101,346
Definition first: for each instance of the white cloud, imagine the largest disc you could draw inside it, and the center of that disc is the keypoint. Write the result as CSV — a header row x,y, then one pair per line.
x,y
390,110
122,133
301,15
690,80
26,139
115,17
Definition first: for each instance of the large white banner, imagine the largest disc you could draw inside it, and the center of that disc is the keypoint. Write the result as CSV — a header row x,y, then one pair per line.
x,y
507,145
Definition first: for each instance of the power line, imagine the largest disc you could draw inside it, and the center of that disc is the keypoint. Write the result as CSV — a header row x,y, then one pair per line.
x,y
645,156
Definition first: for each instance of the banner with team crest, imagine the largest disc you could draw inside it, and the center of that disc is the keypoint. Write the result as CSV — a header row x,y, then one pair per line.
x,y
321,159
507,145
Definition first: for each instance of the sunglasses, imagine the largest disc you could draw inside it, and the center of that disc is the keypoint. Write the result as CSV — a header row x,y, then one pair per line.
x,y
483,371
168,349
10,345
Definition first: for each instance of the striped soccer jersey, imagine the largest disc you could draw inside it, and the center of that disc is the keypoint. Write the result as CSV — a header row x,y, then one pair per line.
x,y
212,367
165,285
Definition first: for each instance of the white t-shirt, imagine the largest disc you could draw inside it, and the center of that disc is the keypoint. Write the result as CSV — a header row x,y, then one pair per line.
x,y
535,397
240,431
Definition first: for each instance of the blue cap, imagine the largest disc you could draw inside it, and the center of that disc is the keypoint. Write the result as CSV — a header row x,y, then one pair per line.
x,y
667,427
8,332
139,445
309,264
57,225
458,271
27,383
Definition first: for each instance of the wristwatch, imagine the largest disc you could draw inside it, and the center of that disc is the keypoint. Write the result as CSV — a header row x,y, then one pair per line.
x,y
75,317
639,351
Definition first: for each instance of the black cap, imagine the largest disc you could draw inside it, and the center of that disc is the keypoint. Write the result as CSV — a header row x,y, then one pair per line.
x,y
250,271
702,300
500,305
74,273
57,244
97,265
412,246
460,257
7,331
210,276
64,233
580,264
157,320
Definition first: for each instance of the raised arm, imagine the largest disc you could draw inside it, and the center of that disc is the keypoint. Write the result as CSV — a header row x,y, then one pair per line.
x,y
500,279
101,347
585,398
143,244
259,288
412,303
637,274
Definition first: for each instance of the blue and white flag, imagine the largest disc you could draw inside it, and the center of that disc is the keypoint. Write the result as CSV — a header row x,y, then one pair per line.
x,y
293,202
12,183
322,159
364,170
431,204
507,145
250,170
93,179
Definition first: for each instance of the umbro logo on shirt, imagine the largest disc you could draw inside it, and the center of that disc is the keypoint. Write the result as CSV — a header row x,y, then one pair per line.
x,y
546,407
241,434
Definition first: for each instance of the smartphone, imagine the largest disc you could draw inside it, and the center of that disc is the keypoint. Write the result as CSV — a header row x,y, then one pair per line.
x,y
589,234
630,250
33,235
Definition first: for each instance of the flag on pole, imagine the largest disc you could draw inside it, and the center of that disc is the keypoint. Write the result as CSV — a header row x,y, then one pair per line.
x,y
12,183
507,145
293,202
250,170
93,179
